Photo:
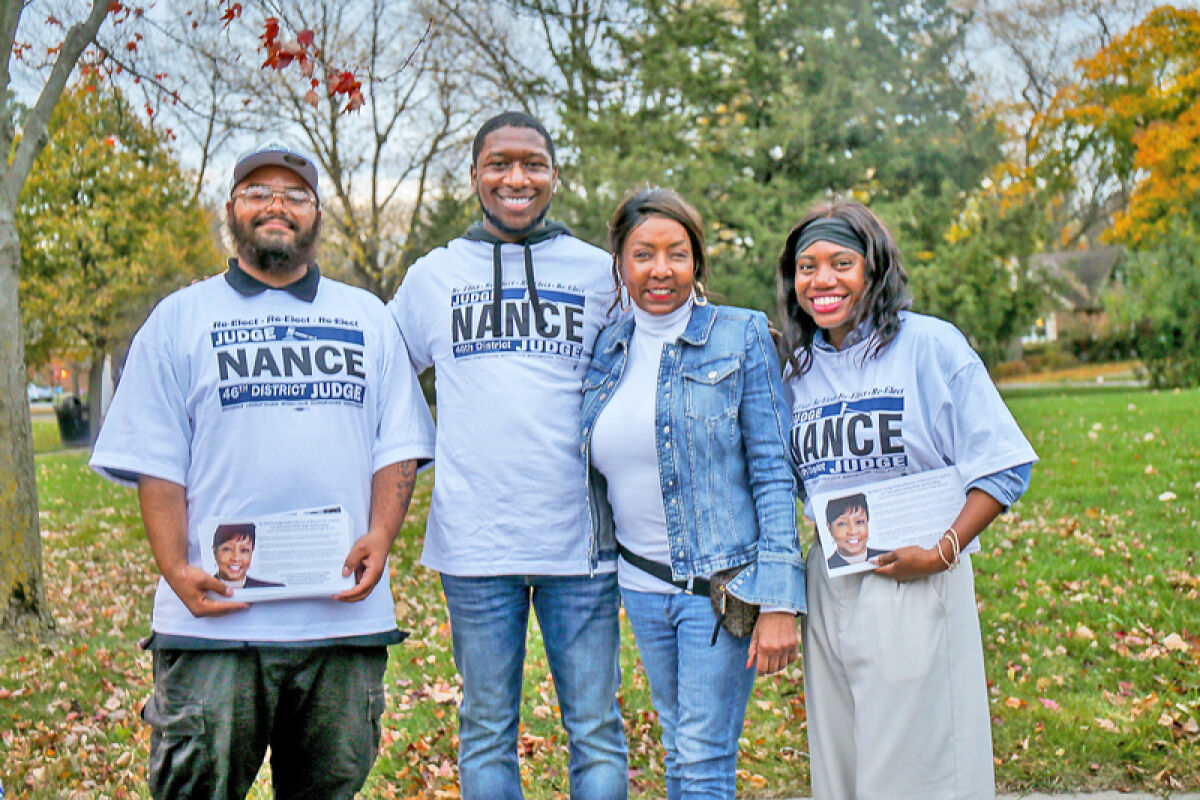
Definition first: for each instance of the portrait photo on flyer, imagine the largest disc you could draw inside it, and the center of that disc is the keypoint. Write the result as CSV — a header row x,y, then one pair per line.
x,y
279,556
857,524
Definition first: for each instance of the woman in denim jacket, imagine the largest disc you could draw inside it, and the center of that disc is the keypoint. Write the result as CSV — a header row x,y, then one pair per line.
x,y
684,429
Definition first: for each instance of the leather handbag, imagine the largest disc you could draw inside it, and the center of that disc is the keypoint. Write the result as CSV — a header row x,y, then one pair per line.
x,y
734,614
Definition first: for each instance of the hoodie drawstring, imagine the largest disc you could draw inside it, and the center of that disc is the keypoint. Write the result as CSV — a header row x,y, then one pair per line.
x,y
533,295
478,233
497,291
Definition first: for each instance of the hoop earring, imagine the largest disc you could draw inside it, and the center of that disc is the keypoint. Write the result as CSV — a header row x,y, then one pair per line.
x,y
698,290
622,294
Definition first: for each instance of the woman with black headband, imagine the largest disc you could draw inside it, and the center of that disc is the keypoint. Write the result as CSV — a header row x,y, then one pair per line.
x,y
893,662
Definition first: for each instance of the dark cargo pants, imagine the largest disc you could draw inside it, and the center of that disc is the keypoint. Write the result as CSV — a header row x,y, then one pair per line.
x,y
214,712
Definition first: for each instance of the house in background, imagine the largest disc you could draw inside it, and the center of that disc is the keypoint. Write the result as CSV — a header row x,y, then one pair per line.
x,y
1078,280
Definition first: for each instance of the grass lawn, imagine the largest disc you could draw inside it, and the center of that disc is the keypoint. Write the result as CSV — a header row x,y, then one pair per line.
x,y
45,434
1089,595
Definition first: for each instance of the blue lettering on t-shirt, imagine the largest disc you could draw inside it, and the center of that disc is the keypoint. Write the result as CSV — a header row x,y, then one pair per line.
x,y
556,329
275,392
259,364
850,436
285,333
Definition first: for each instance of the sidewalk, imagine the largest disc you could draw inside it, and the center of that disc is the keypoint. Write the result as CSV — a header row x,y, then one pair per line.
x,y
1097,796
1087,796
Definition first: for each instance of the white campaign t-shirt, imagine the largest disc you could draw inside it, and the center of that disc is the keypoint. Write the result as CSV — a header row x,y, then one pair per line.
x,y
510,493
924,402
263,404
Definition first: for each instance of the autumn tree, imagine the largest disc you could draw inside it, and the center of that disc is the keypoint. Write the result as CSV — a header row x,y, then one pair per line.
x,y
1028,51
982,275
22,594
108,226
184,77
1130,125
1157,301
374,90
1134,118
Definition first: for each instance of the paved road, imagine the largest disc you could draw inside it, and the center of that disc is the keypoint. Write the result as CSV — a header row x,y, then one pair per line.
x,y
1090,796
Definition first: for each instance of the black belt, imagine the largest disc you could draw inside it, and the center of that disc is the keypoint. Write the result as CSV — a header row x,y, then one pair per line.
x,y
699,586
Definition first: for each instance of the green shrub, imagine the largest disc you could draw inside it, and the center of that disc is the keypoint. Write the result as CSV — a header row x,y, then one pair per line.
x,y
1158,302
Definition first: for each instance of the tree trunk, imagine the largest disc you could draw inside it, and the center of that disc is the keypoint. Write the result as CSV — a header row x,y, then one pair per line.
x,y
22,592
95,391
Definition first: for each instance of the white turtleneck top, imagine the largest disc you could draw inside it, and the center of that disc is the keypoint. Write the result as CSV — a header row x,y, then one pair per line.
x,y
623,448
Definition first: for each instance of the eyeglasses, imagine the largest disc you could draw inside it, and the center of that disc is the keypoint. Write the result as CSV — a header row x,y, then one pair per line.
x,y
260,196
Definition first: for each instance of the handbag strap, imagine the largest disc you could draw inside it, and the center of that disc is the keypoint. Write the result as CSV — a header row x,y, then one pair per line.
x,y
699,586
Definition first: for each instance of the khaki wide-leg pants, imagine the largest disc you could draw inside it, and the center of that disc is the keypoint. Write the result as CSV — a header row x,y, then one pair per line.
x,y
895,687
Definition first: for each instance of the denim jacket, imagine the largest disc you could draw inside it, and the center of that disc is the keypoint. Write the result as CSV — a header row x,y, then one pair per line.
x,y
721,429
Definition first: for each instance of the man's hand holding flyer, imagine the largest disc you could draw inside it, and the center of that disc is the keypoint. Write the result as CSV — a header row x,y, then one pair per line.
x,y
278,556
858,524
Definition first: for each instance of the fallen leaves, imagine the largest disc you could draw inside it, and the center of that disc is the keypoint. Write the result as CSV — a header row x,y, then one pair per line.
x,y
1174,642
445,692
1180,722
751,779
1076,642
1171,643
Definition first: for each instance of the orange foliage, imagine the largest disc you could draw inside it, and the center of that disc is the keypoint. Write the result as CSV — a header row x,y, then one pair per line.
x,y
1136,108
302,52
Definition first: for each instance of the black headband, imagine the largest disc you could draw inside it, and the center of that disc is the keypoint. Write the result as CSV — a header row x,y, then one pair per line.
x,y
830,229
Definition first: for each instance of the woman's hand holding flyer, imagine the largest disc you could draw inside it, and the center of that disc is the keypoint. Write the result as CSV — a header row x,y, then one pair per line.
x,y
890,522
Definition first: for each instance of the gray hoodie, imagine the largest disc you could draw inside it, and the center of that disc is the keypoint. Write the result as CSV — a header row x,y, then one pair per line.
x,y
509,492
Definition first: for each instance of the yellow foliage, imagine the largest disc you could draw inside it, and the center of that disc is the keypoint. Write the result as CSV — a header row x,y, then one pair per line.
x,y
107,227
1136,109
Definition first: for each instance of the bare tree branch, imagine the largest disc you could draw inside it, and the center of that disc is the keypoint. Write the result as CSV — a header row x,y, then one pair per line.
x,y
34,133
8,37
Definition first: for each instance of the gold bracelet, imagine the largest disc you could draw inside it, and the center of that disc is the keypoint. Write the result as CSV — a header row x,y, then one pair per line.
x,y
942,555
952,535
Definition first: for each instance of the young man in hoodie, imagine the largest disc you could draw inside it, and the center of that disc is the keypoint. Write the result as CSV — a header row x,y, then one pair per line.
x,y
507,316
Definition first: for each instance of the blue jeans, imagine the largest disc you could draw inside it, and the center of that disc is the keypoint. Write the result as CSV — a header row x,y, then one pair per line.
x,y
699,690
578,616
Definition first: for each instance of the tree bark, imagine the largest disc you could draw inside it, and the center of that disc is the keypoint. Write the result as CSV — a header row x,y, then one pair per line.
x,y
95,390
22,591
22,594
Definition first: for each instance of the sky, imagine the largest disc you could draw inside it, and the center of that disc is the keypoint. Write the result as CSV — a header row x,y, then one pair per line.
x,y
998,71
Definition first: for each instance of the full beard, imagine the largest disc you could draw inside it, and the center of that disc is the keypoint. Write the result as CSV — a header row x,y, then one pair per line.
x,y
499,224
268,253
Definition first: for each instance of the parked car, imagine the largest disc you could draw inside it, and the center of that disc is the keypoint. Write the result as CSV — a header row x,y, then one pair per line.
x,y
39,394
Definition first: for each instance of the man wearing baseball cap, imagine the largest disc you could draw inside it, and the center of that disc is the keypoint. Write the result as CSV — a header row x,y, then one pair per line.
x,y
265,390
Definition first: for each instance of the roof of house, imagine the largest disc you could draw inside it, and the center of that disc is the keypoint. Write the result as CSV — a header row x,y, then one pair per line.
x,y
1081,275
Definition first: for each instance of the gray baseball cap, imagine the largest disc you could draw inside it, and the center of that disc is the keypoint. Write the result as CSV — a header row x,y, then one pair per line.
x,y
279,155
